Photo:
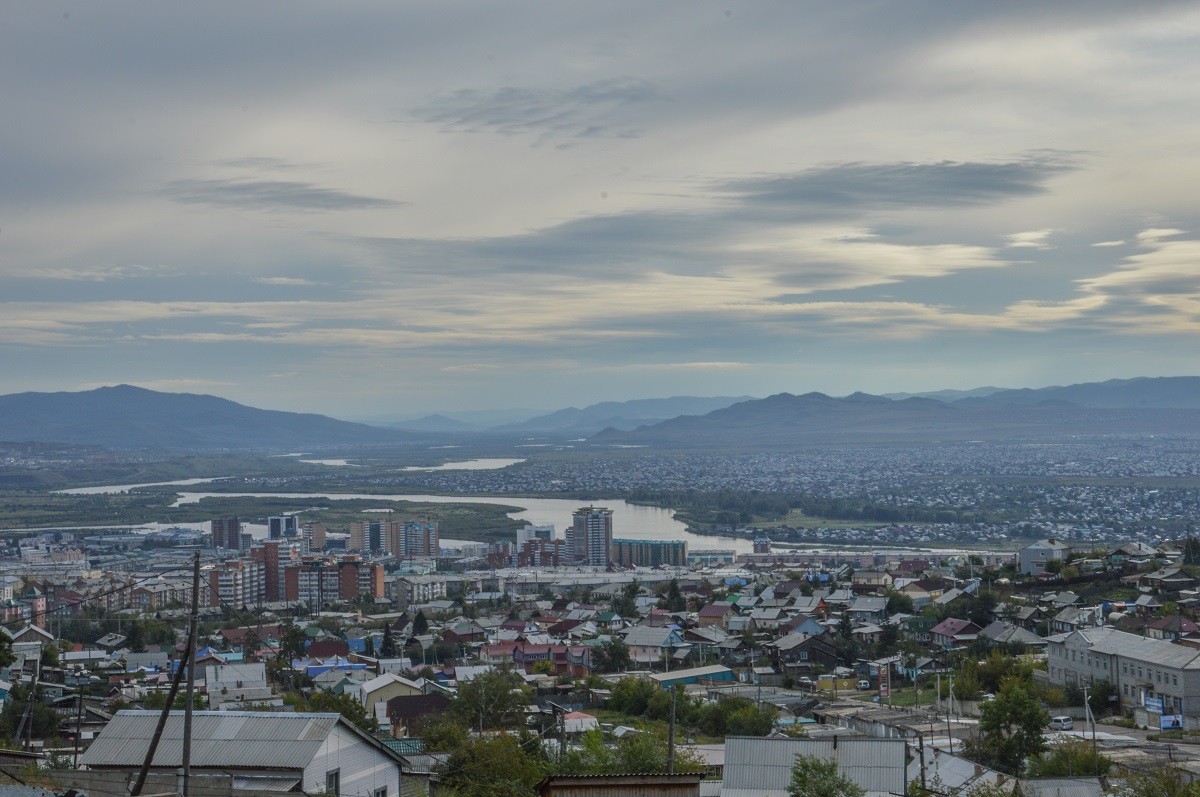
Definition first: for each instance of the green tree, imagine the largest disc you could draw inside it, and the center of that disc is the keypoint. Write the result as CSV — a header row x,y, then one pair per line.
x,y
611,656
1010,729
491,700
898,602
492,766
815,777
387,648
292,642
420,623
637,752
625,604
1159,781
1069,759
50,656
136,638
673,600
631,696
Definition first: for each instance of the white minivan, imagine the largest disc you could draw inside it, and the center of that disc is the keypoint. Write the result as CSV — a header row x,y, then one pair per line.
x,y
1061,723
864,684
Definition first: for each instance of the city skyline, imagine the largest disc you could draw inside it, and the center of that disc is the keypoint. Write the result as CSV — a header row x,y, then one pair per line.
x,y
481,207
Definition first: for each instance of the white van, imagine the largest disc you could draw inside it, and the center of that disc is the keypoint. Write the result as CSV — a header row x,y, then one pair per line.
x,y
1061,724
864,684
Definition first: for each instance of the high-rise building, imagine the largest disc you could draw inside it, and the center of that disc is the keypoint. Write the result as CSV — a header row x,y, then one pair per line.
x,y
227,533
369,536
281,526
531,532
589,537
541,553
421,538
649,553
237,583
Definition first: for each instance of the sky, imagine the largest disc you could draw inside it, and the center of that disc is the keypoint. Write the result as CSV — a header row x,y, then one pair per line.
x,y
369,209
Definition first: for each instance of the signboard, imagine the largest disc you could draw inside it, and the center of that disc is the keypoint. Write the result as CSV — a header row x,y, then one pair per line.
x,y
885,682
1169,722
1154,704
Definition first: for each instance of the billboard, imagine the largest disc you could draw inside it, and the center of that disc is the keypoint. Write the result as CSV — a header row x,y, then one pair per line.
x,y
1169,722
885,682
1154,704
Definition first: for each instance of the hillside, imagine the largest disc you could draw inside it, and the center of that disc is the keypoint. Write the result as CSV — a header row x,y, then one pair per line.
x,y
624,415
815,418
131,417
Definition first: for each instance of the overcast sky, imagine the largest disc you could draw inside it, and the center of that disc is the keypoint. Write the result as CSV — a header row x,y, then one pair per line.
x,y
383,208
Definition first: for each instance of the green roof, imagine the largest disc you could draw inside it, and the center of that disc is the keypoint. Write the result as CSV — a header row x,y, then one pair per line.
x,y
405,746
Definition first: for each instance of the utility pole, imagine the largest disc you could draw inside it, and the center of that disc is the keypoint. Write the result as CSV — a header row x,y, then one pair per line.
x,y
671,737
78,721
191,683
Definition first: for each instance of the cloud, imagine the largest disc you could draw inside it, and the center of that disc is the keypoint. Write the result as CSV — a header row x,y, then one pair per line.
x,y
1108,244
1033,239
591,110
97,274
283,281
889,185
270,195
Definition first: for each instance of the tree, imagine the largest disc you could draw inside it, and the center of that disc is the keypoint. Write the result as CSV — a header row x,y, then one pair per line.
x,y
492,766
420,623
369,646
644,752
673,600
1069,759
1010,729
815,777
898,602
495,699
291,643
136,639
50,656
611,656
625,604
387,648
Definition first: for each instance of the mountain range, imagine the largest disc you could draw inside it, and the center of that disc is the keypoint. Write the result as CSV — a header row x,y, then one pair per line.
x,y
130,417
1169,405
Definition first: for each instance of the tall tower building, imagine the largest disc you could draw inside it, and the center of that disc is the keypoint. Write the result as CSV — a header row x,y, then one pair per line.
x,y
280,526
589,538
227,533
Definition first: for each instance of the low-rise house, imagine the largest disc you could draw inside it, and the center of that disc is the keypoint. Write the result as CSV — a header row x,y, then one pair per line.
x,y
649,645
1034,557
263,751
953,632
801,653
1168,580
1004,633
869,609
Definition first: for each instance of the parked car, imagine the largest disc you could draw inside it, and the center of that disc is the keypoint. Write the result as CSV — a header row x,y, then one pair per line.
x,y
805,682
863,683
1061,724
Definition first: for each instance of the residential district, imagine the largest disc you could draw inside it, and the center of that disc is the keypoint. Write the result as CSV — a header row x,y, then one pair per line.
x,y
374,662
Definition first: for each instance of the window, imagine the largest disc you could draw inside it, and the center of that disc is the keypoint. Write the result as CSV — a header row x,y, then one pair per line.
x,y
380,792
1174,680
333,782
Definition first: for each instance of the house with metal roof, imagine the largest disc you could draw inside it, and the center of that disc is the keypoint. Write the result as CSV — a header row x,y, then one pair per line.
x,y
264,751
762,767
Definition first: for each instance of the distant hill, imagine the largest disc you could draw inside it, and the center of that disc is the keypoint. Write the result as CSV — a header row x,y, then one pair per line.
x,y
947,395
435,423
815,418
1164,392
622,415
132,417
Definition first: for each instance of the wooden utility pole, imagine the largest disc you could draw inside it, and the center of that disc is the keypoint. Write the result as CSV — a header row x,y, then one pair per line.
x,y
191,683
671,737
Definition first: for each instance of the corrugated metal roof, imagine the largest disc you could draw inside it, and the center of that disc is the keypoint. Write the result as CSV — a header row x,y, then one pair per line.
x,y
225,739
758,767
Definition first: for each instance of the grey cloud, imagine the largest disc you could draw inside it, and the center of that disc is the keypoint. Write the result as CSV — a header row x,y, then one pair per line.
x,y
882,185
590,110
600,248
270,195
